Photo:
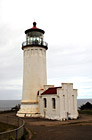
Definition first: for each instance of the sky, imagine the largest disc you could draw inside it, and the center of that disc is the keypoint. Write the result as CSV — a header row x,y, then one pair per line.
x,y
68,32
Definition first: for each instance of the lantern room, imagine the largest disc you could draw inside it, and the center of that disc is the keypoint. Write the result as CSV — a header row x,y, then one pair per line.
x,y
34,37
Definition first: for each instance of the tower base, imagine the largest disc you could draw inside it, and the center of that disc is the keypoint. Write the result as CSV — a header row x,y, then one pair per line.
x,y
28,110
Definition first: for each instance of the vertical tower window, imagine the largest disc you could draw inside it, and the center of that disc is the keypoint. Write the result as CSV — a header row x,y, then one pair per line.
x,y
64,102
73,101
45,102
53,103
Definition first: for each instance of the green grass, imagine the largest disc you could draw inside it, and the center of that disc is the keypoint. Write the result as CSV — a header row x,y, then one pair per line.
x,y
7,111
85,112
6,127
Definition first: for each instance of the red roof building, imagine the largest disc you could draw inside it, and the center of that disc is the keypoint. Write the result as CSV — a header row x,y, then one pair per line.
x,y
52,90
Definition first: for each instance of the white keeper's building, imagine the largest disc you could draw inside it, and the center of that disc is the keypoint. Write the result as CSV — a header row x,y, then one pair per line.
x,y
58,103
38,98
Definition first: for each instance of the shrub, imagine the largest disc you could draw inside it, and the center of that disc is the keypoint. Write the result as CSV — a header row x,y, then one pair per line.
x,y
11,138
85,112
87,106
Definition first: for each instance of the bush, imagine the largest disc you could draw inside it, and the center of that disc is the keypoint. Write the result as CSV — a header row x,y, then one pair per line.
x,y
16,108
85,112
11,138
87,106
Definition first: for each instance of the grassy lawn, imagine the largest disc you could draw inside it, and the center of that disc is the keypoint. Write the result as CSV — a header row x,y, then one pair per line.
x,y
85,112
6,127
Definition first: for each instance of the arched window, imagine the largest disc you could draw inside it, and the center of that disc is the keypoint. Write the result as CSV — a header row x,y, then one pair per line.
x,y
53,103
45,102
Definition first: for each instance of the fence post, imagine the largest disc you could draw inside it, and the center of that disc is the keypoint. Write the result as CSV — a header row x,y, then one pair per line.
x,y
16,134
23,128
18,121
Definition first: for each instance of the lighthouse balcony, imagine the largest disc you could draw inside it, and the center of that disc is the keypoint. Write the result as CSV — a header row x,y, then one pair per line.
x,y
35,43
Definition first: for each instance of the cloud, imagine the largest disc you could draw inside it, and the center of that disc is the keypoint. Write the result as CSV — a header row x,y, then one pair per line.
x,y
68,27
10,62
10,94
71,64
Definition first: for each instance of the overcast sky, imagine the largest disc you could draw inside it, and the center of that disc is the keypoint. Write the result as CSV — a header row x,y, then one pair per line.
x,y
68,31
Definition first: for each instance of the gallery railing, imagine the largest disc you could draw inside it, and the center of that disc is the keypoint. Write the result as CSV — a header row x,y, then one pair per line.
x,y
34,43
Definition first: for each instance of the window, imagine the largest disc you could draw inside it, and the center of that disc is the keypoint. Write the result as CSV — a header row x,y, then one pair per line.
x,y
45,102
53,103
64,102
73,101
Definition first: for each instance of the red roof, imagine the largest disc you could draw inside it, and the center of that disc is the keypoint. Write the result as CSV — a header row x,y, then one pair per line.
x,y
52,90
34,28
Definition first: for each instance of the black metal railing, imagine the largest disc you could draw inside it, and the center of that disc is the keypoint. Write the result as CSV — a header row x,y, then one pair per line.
x,y
36,42
15,133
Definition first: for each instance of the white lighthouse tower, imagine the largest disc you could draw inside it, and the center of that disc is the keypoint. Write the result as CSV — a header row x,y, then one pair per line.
x,y
34,73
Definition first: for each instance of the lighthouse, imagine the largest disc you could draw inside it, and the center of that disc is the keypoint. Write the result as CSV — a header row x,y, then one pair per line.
x,y
38,98
34,70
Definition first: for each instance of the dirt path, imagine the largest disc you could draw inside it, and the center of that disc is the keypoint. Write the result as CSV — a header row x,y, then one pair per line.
x,y
41,129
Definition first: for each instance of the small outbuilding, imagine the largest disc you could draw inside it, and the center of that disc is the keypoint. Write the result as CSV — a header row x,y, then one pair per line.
x,y
58,103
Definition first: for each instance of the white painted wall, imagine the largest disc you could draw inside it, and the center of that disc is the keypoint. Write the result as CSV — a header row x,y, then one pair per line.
x,y
66,103
34,77
49,112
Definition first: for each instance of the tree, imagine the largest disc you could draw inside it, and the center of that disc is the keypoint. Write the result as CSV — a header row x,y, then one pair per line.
x,y
87,106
